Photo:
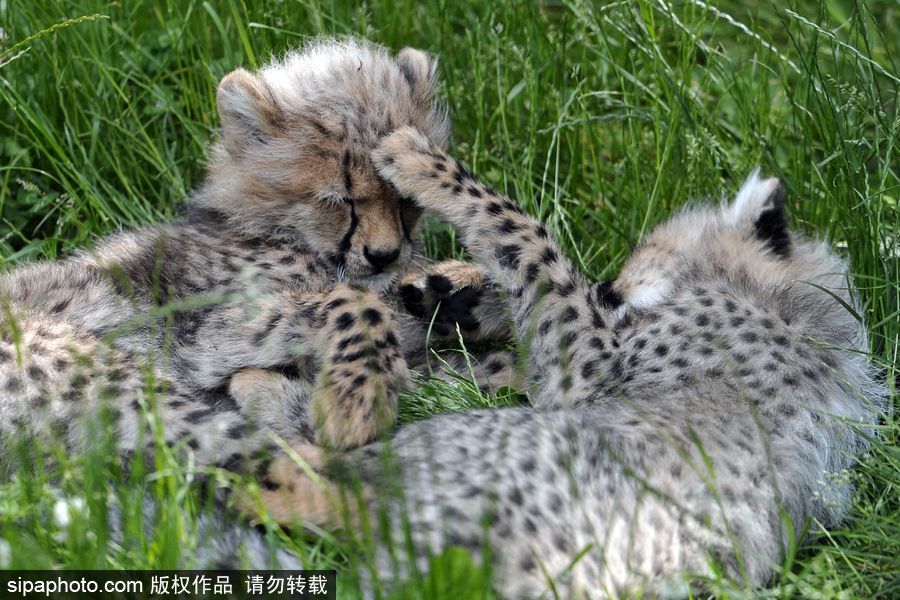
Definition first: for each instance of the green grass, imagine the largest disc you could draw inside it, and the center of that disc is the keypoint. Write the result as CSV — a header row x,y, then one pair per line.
x,y
602,118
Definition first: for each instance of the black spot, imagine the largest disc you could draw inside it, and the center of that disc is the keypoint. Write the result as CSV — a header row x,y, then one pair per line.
x,y
270,325
531,273
527,563
509,226
349,341
61,305
237,431
510,205
508,256
544,327
372,316
495,366
199,415
607,296
515,496
390,340
661,350
570,314
475,192
597,343
565,288
345,321
13,384
787,410
494,208
702,320
749,337
549,256
781,341
111,391
336,303
587,369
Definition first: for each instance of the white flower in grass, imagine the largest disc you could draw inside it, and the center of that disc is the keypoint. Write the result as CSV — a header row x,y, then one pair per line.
x,y
5,554
67,509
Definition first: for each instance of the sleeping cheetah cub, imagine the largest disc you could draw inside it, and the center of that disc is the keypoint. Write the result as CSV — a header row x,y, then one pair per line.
x,y
691,416
292,266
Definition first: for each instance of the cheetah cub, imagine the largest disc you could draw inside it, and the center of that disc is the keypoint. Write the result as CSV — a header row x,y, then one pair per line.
x,y
691,417
287,279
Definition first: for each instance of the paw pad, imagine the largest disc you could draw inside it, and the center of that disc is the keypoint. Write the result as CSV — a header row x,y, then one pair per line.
x,y
452,290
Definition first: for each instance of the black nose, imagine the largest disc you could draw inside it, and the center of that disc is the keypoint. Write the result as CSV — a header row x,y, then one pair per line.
x,y
379,258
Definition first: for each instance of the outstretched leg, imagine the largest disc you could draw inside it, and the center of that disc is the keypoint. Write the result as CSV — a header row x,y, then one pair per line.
x,y
562,319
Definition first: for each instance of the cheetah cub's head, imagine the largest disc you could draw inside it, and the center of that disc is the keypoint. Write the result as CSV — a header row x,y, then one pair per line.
x,y
293,160
747,245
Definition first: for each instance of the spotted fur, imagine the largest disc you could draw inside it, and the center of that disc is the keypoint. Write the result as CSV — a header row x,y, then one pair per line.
x,y
690,418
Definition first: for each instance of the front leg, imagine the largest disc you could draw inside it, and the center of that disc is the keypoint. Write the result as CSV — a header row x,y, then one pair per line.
x,y
554,309
346,334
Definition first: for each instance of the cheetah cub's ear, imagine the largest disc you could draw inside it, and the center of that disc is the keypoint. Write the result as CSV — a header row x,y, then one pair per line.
x,y
759,208
247,109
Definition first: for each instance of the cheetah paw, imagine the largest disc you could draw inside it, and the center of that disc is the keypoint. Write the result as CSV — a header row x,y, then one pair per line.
x,y
404,157
446,295
293,493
